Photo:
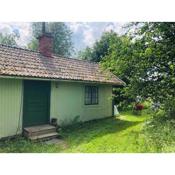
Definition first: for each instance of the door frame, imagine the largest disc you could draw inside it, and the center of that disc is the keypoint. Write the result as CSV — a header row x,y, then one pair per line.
x,y
49,100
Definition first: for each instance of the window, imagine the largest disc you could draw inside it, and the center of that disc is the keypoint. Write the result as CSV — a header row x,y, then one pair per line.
x,y
91,95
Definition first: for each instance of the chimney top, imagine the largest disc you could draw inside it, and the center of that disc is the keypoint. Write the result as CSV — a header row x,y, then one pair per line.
x,y
44,33
43,27
45,42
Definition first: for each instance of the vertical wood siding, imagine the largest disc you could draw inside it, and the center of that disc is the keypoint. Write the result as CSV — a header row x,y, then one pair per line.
x,y
67,103
10,103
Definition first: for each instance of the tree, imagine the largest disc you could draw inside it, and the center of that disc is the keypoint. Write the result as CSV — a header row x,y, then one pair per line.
x,y
8,39
119,61
62,43
156,66
147,63
86,54
100,48
33,45
145,59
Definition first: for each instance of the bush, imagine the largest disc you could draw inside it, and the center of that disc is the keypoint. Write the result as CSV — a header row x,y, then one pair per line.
x,y
170,108
147,103
125,106
130,104
160,132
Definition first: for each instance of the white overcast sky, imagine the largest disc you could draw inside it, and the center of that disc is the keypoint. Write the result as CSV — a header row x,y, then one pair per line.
x,y
84,33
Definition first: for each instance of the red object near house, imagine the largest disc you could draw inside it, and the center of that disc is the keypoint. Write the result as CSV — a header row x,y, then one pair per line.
x,y
139,107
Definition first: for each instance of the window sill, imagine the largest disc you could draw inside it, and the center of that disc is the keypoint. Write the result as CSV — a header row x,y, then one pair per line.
x,y
92,106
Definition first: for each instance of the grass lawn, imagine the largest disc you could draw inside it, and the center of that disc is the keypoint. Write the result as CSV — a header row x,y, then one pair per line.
x,y
121,134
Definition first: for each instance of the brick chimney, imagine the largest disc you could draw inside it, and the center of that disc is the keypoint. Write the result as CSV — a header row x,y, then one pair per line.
x,y
45,42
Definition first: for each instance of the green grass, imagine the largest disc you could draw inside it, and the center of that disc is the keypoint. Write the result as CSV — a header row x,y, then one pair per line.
x,y
119,134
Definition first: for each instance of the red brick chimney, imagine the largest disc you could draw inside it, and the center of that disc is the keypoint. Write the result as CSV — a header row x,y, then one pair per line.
x,y
45,43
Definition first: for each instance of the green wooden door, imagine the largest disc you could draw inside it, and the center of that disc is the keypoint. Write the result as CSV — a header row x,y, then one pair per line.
x,y
36,108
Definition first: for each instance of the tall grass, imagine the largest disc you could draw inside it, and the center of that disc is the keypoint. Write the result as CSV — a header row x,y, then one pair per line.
x,y
159,132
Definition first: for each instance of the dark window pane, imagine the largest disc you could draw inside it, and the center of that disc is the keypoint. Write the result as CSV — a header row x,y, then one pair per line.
x,y
91,95
88,101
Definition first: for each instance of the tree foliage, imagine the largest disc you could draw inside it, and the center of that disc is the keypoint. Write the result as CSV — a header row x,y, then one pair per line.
x,y
156,68
33,44
120,61
144,59
8,39
62,43
100,48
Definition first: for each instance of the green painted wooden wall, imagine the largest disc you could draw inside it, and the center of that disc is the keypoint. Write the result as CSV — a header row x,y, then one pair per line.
x,y
10,101
67,103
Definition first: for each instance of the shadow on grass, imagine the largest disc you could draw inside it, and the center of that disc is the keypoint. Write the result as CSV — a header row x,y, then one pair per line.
x,y
85,132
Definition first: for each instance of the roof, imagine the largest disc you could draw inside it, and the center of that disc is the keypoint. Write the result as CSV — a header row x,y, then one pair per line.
x,y
26,63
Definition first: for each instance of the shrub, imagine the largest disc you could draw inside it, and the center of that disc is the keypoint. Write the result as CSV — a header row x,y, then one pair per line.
x,y
147,103
170,108
160,132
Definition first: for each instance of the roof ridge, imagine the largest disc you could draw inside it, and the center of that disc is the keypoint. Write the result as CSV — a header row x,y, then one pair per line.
x,y
64,57
20,48
57,55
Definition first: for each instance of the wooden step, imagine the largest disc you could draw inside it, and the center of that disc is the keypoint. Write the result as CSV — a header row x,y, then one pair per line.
x,y
44,136
39,130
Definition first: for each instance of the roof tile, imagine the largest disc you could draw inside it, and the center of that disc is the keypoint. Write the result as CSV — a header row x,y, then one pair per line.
x,y
25,63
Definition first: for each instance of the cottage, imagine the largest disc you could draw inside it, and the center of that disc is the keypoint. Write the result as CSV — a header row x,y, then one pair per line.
x,y
38,86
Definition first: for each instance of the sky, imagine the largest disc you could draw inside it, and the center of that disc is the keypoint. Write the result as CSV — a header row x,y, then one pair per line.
x,y
83,33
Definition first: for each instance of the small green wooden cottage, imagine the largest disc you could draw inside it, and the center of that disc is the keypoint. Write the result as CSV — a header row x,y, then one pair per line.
x,y
38,86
